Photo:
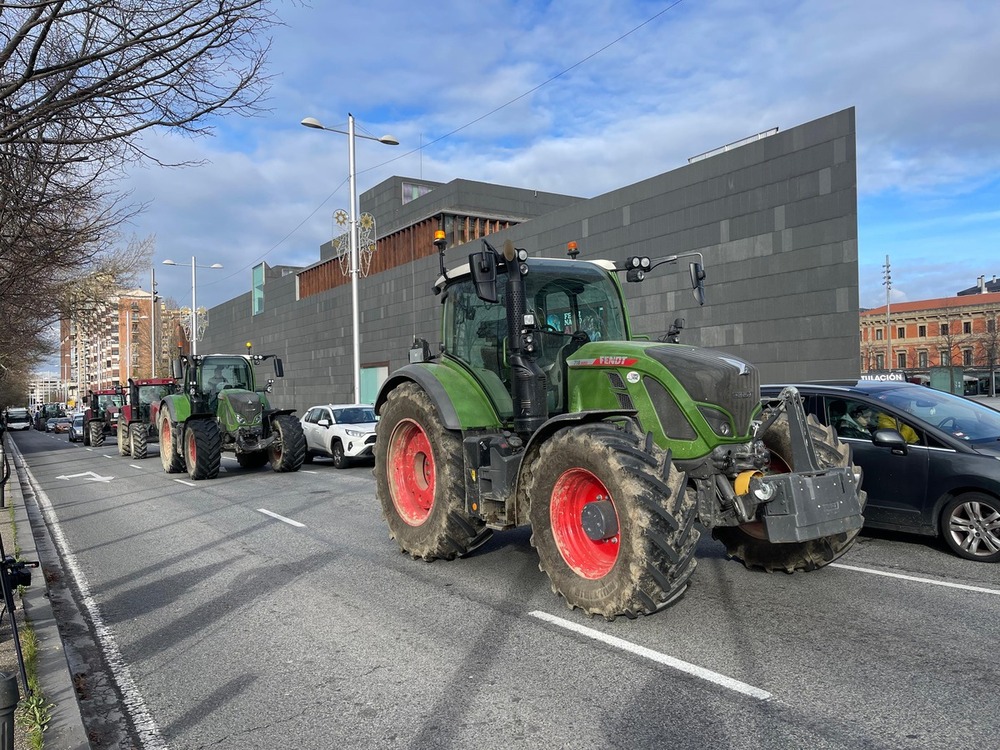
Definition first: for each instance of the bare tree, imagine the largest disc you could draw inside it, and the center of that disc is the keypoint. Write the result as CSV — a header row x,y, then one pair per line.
x,y
80,80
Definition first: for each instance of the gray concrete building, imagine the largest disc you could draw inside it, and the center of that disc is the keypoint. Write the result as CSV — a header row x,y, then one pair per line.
x,y
775,219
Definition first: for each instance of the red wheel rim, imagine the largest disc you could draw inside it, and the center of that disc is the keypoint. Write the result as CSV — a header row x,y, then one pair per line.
x,y
411,472
588,558
165,446
192,448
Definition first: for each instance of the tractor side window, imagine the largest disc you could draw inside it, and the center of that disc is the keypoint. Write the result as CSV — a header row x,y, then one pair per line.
x,y
476,333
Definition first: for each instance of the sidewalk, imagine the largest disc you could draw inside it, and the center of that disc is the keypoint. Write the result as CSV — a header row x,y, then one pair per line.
x,y
66,731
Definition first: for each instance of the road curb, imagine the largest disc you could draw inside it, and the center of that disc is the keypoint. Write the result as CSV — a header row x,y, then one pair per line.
x,y
66,730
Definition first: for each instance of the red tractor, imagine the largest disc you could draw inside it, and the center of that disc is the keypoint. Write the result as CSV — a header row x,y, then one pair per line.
x,y
99,419
137,426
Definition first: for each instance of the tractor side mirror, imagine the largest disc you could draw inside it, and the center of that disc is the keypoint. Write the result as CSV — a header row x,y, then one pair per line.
x,y
484,274
176,368
697,274
279,369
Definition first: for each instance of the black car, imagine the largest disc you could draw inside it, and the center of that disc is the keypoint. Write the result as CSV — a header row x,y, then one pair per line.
x,y
931,460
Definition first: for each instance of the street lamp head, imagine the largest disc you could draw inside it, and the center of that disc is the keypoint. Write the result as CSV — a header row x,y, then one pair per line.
x,y
216,265
169,263
312,122
388,140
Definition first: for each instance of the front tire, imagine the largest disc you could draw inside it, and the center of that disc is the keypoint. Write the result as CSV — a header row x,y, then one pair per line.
x,y
138,441
288,451
749,543
611,521
419,481
169,459
202,448
970,524
96,430
123,441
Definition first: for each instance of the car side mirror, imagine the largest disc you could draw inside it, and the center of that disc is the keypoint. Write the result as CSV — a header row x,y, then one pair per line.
x,y
323,423
889,438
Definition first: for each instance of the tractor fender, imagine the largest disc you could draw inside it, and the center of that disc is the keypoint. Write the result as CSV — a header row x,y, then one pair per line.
x,y
549,428
422,376
267,417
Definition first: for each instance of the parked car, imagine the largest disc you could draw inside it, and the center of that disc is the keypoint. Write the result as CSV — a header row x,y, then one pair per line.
x,y
344,432
931,460
50,423
62,425
76,429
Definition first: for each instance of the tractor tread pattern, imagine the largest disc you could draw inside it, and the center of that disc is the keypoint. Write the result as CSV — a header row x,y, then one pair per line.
x,y
658,531
448,532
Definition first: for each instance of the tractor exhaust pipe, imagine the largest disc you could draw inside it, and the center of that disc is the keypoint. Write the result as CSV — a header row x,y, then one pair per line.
x,y
528,382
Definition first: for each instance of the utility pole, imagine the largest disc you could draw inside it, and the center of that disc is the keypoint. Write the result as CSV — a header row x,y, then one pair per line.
x,y
887,282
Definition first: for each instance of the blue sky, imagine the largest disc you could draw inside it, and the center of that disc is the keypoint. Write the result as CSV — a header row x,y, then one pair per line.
x,y
598,95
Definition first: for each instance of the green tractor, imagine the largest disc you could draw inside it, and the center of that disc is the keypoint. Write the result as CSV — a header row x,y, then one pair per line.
x,y
544,408
218,408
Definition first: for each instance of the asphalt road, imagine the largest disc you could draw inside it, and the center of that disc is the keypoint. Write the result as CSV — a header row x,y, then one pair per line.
x,y
228,627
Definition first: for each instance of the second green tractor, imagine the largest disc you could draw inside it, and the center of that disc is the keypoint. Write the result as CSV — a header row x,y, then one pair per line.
x,y
220,408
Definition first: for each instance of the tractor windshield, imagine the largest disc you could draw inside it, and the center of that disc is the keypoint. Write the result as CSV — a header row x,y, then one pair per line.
x,y
217,373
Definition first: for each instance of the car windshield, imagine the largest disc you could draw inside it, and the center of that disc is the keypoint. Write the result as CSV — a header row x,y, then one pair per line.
x,y
78,420
961,417
354,415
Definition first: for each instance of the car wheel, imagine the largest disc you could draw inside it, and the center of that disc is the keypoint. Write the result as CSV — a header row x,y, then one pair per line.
x,y
970,524
340,459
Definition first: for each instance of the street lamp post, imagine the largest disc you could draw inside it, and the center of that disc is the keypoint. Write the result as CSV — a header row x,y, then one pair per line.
x,y
194,298
312,122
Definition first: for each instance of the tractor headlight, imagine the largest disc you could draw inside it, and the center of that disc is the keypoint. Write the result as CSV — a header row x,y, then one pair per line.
x,y
720,423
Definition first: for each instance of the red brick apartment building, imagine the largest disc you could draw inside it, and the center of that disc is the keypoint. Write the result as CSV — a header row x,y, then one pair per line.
x,y
961,331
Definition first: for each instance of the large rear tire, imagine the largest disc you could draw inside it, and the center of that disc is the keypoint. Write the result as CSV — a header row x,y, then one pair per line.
x,y
138,441
288,451
419,481
202,448
749,544
169,458
96,430
611,521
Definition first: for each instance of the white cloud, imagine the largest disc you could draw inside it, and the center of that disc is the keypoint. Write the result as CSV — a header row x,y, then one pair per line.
x,y
921,74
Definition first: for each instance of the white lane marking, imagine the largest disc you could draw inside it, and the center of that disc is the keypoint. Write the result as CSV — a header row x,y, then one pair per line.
x,y
308,471
189,484
647,653
965,587
149,732
135,466
289,521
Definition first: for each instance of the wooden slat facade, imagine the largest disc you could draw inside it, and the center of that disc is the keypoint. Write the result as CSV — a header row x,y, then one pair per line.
x,y
405,246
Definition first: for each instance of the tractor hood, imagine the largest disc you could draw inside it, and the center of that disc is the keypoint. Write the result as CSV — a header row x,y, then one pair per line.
x,y
245,407
713,378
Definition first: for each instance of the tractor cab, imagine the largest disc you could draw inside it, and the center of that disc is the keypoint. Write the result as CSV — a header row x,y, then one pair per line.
x,y
567,304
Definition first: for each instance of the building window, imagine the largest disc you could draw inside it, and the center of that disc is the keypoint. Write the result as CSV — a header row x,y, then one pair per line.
x,y
901,333
901,360
878,334
922,331
921,359
967,357
879,362
944,329
258,289
945,357
967,326
414,190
